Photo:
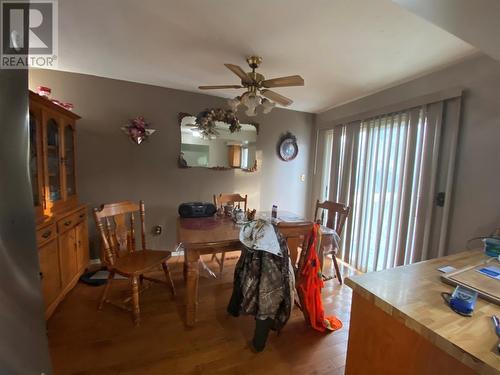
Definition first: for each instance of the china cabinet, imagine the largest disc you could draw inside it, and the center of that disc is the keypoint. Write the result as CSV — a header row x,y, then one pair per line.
x,y
62,237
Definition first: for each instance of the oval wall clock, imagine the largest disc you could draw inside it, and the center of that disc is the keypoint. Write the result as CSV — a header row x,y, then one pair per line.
x,y
287,147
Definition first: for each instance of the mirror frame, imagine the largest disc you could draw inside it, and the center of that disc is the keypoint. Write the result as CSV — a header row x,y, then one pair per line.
x,y
181,116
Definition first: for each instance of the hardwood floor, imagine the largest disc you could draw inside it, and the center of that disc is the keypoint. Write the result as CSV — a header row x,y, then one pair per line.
x,y
83,340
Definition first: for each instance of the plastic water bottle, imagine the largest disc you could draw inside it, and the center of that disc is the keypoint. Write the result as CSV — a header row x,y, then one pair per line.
x,y
274,212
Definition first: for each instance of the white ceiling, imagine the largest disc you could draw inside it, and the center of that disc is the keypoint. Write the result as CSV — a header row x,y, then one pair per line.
x,y
344,49
476,21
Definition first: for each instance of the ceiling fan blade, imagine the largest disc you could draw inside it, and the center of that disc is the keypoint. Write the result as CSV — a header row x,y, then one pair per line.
x,y
284,81
275,97
220,87
238,71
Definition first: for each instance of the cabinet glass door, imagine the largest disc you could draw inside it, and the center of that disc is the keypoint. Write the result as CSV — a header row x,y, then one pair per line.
x,y
34,160
53,160
69,160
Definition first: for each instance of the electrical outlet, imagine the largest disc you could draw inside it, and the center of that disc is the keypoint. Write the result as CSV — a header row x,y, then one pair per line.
x,y
157,230
302,177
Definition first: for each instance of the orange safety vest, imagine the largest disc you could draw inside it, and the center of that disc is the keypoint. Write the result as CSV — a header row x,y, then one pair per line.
x,y
309,287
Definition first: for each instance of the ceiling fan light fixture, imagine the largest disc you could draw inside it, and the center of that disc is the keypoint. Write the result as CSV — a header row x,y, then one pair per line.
x,y
251,102
255,83
245,98
267,105
251,112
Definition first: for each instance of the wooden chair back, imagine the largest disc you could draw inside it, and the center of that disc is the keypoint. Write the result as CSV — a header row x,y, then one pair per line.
x,y
236,199
116,225
296,233
337,214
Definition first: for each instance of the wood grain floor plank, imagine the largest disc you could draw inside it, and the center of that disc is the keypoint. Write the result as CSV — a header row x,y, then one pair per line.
x,y
85,341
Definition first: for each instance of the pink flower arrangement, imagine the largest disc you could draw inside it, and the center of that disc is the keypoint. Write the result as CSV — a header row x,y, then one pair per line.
x,y
137,130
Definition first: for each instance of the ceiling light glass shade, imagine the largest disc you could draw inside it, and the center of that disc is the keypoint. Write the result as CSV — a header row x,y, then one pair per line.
x,y
234,103
267,105
244,98
254,100
251,102
251,112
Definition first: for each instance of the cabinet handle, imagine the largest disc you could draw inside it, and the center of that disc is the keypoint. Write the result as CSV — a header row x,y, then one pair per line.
x,y
67,222
47,234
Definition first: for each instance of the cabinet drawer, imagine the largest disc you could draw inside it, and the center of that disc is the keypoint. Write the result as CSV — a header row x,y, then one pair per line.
x,y
46,234
70,221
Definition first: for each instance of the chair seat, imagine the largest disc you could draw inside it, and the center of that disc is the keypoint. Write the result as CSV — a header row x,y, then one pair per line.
x,y
140,261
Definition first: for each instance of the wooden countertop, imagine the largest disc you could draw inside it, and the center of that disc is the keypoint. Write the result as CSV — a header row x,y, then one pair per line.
x,y
412,295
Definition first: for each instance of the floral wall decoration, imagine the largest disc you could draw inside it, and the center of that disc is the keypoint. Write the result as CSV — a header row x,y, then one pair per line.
x,y
138,130
205,121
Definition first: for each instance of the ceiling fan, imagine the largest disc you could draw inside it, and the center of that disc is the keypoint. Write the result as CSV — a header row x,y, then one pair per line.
x,y
257,86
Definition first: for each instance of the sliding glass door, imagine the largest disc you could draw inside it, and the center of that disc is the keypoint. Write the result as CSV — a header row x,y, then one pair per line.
x,y
385,168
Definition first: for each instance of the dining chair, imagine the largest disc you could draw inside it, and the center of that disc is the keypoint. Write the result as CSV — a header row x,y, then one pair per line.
x,y
236,199
220,201
116,224
336,217
296,234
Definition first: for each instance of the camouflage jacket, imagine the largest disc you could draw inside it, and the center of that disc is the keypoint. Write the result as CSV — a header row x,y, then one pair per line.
x,y
264,284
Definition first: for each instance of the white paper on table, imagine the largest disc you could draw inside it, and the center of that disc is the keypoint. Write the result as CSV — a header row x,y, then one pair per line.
x,y
447,269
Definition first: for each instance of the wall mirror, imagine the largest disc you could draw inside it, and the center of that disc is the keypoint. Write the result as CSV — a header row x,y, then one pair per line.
x,y
222,150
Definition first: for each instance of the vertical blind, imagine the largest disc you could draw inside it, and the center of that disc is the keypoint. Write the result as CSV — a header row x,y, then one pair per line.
x,y
385,169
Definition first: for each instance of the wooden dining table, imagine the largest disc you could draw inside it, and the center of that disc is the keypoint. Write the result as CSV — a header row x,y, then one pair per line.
x,y
208,235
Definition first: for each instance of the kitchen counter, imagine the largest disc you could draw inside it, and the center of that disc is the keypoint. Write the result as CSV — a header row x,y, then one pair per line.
x,y
400,323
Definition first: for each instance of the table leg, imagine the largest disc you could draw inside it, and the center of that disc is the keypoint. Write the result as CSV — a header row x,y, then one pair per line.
x,y
184,266
193,273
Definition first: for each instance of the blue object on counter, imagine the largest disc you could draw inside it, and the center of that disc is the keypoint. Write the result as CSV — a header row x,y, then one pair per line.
x,y
492,246
496,322
463,300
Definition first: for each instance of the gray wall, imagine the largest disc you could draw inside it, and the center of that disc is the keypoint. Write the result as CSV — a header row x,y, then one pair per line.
x,y
111,168
476,199
23,342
